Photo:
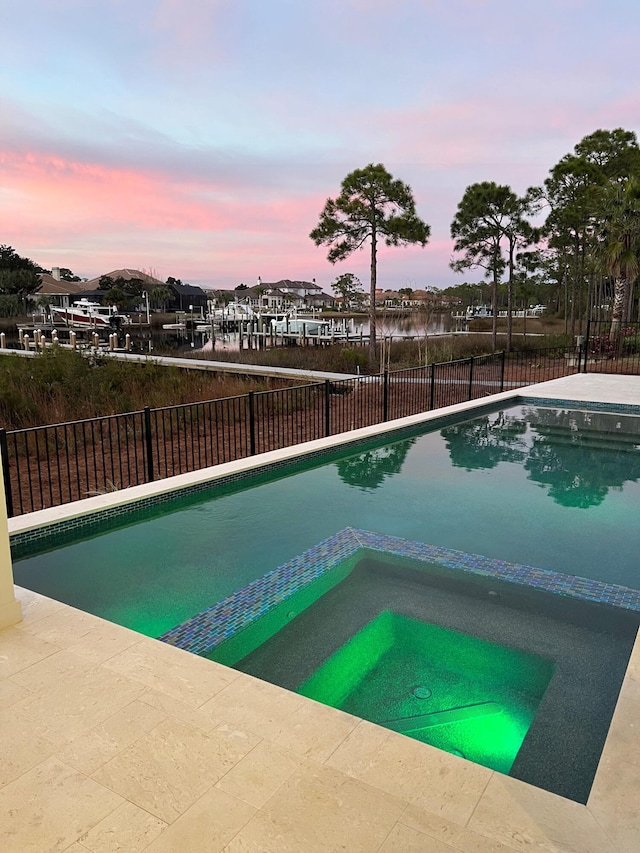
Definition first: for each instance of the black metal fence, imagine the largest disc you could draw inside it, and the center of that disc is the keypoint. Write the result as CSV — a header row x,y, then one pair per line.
x,y
52,465
604,352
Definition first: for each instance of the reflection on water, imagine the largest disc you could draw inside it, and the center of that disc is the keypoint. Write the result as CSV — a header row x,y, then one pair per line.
x,y
484,442
370,469
188,553
577,456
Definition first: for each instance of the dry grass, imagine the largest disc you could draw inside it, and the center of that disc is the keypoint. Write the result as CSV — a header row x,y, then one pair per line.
x,y
59,385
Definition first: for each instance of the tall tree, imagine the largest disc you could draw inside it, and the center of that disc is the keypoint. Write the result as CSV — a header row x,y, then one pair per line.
x,y
573,192
372,206
160,295
518,234
614,153
68,275
489,217
477,231
19,276
619,241
11,260
569,192
120,291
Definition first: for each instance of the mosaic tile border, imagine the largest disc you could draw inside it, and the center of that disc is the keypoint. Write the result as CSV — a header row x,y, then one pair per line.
x,y
223,620
208,629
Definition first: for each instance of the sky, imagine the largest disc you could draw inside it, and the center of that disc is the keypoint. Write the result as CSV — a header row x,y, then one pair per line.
x,y
201,138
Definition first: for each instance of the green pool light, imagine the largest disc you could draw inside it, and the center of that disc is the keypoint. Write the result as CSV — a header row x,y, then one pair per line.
x,y
472,698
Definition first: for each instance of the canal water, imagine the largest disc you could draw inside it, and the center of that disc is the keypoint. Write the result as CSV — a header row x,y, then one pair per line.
x,y
199,336
395,326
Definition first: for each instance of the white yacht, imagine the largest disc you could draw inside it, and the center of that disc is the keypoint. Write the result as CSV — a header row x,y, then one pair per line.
x,y
85,314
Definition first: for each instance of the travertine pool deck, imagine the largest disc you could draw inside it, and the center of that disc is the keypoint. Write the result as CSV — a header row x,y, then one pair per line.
x,y
110,741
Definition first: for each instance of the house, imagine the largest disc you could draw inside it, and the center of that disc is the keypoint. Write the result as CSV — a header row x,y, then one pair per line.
x,y
284,294
186,297
431,299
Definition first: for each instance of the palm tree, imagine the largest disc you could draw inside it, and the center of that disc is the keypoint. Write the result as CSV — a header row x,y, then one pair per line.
x,y
619,232
160,295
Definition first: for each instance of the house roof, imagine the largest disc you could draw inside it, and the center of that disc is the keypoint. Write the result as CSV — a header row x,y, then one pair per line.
x,y
147,280
285,288
259,289
185,289
53,286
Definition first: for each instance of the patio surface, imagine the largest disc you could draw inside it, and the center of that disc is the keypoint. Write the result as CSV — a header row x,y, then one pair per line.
x,y
111,741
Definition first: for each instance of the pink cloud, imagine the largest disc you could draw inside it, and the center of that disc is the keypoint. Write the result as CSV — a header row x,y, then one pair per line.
x,y
92,218
63,211
91,194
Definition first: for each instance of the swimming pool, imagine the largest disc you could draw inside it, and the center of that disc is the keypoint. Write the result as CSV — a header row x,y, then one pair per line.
x,y
528,494
528,483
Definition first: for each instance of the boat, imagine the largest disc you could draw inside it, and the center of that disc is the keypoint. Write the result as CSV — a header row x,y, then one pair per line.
x,y
85,314
233,312
300,326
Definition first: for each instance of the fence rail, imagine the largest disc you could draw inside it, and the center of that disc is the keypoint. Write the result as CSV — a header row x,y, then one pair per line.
x,y
52,465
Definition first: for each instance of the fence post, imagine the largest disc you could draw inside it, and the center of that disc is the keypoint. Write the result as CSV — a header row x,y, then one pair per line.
x,y
148,443
252,425
385,396
470,397
586,347
432,395
4,455
581,348
327,408
502,361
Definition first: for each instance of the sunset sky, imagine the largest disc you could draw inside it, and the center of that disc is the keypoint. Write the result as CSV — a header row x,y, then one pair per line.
x,y
201,138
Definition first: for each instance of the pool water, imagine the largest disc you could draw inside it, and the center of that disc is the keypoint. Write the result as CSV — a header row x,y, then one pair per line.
x,y
528,484
453,691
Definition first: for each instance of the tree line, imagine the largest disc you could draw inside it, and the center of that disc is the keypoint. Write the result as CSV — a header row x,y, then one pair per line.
x,y
586,251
